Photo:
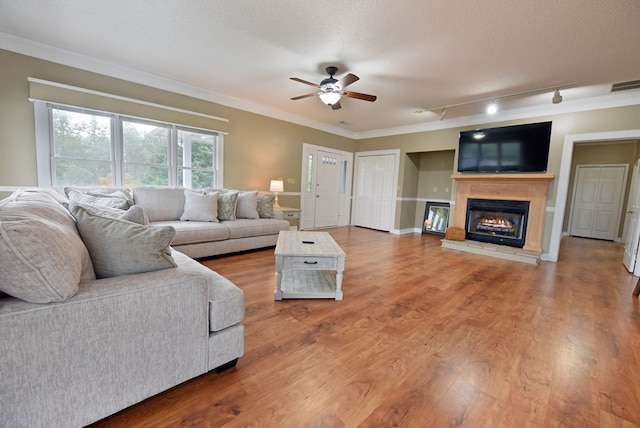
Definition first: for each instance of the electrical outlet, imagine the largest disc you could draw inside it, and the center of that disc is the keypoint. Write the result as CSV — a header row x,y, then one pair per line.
x,y
291,181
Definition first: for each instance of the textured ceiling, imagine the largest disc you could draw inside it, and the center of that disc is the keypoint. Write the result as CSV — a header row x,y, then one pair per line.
x,y
414,55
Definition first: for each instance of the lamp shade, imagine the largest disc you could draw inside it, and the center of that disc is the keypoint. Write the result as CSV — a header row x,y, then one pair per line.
x,y
276,186
330,97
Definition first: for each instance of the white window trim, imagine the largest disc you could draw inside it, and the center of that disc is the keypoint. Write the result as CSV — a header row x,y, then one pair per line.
x,y
45,156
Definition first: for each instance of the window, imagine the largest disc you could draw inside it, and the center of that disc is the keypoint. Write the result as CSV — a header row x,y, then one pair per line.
x,y
91,148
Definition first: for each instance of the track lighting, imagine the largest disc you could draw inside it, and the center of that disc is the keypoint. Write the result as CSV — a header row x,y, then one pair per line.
x,y
492,108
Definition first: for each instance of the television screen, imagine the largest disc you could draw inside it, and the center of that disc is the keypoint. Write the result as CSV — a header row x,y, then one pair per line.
x,y
520,148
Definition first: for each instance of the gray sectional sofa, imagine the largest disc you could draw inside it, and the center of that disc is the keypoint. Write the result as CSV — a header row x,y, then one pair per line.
x,y
98,312
248,225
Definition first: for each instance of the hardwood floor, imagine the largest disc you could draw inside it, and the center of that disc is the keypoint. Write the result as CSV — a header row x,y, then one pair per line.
x,y
425,337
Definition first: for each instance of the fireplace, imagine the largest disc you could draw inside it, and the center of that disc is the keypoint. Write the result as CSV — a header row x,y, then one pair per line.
x,y
531,188
501,222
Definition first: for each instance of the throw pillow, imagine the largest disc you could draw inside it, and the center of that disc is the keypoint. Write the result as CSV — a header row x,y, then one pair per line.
x,y
247,205
200,207
43,258
227,206
134,214
120,247
115,199
265,206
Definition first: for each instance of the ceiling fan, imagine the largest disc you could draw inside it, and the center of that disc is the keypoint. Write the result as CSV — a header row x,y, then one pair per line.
x,y
331,89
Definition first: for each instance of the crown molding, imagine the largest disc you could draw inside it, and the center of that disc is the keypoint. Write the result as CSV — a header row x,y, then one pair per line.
x,y
61,56
95,65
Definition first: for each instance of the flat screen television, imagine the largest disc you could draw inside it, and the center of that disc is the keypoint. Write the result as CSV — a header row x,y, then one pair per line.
x,y
519,148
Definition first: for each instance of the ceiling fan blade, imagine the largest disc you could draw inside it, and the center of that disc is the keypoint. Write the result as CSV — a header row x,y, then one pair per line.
x,y
360,96
305,82
336,106
304,96
347,80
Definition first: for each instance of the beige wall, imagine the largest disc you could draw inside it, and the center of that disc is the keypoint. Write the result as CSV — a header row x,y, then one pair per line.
x,y
612,119
257,148
434,179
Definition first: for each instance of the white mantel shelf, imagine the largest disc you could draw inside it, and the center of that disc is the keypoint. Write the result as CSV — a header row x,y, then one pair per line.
x,y
514,187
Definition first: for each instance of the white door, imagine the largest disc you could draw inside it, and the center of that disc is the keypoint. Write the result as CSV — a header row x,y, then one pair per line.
x,y
632,238
374,199
328,174
325,187
597,200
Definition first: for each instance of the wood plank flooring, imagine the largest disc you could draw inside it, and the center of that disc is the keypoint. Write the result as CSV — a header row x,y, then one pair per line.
x,y
425,337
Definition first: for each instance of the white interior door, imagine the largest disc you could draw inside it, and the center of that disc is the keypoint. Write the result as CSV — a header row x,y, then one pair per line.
x,y
632,238
597,201
374,199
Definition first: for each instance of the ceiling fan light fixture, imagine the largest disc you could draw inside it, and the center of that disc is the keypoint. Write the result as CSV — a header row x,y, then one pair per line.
x,y
557,98
329,97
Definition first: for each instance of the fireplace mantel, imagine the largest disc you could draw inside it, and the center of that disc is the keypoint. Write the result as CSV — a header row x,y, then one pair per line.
x,y
514,187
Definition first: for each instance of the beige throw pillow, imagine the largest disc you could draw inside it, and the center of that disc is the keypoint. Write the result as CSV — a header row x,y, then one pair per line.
x,y
120,247
42,258
200,207
247,205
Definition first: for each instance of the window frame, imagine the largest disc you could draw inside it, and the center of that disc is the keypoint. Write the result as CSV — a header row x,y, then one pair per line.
x,y
45,150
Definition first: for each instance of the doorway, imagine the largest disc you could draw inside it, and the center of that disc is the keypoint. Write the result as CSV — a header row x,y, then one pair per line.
x,y
564,175
597,201
325,187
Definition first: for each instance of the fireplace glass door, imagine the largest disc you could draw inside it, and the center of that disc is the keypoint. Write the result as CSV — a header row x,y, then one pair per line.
x,y
497,221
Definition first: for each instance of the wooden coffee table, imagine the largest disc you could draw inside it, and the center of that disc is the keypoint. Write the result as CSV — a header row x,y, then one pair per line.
x,y
305,262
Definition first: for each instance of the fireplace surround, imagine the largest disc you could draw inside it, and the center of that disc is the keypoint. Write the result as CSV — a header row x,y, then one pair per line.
x,y
531,188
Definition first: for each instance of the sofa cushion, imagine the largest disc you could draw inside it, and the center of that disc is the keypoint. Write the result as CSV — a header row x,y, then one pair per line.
x,y
199,206
247,205
264,206
243,228
160,202
120,247
42,258
193,232
227,206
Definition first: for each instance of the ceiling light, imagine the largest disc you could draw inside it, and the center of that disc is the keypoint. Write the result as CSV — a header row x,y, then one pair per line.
x,y
557,98
492,108
330,97
479,135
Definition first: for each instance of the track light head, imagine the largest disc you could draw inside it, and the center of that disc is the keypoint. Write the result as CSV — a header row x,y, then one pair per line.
x,y
557,98
492,108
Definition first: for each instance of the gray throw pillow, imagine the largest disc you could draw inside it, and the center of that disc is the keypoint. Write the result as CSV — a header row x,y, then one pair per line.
x,y
200,207
247,205
264,206
120,247
227,206
134,214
